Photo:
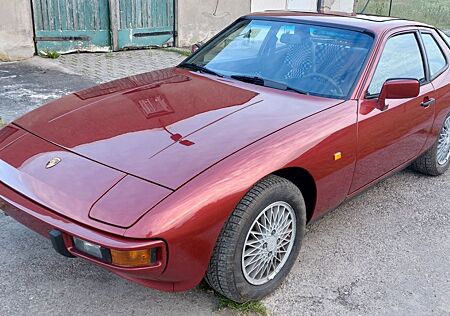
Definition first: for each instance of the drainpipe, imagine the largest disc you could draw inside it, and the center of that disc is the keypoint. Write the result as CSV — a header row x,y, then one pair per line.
x,y
319,5
324,6
34,28
114,22
175,24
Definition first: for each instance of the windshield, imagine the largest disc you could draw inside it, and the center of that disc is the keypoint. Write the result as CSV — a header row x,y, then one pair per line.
x,y
317,60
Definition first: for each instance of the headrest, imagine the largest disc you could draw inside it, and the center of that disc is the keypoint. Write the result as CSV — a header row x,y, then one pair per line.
x,y
293,39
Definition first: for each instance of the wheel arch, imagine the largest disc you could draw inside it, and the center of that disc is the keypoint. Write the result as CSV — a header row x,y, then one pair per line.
x,y
306,184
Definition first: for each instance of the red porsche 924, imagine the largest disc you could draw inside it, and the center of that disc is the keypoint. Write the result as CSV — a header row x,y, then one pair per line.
x,y
212,169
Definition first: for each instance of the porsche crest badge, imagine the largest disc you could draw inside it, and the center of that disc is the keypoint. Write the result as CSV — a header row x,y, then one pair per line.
x,y
53,162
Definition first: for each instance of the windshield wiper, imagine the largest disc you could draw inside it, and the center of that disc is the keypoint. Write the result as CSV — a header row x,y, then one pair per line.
x,y
268,83
289,88
203,69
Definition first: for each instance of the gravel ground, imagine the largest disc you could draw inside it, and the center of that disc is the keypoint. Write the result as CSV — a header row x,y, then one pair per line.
x,y
386,252
24,86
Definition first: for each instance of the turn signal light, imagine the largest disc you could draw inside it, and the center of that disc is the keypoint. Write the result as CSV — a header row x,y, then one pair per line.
x,y
134,258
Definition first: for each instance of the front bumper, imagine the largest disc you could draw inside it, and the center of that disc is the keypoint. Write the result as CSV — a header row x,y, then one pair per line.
x,y
43,221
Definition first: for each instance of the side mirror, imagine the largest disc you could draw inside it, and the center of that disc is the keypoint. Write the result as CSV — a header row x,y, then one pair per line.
x,y
398,89
196,47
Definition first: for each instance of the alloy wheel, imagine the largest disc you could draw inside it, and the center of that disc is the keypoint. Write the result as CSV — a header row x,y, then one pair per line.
x,y
269,243
443,149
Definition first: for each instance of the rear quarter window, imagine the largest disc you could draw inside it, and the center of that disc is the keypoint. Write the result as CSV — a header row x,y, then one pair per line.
x,y
436,58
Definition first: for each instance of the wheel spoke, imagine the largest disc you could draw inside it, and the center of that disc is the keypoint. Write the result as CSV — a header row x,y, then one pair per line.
x,y
278,259
266,219
273,265
252,261
255,243
278,215
255,265
256,268
262,268
261,228
282,221
285,227
252,252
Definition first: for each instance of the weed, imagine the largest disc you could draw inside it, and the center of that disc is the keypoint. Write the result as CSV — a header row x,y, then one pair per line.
x,y
2,123
178,51
245,309
52,54
434,12
249,308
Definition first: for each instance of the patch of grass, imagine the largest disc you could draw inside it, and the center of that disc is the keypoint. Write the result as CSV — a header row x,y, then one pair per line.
x,y
52,54
249,308
224,304
2,123
178,51
434,12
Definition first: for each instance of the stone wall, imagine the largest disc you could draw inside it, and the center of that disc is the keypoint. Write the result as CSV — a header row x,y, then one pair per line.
x,y
16,30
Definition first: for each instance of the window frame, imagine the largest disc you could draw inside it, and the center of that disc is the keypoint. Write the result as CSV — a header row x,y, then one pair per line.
x,y
445,37
423,56
440,72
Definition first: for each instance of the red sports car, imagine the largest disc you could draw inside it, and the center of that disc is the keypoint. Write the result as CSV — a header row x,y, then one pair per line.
x,y
213,168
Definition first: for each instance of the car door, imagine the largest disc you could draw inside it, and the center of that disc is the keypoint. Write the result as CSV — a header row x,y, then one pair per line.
x,y
438,57
390,138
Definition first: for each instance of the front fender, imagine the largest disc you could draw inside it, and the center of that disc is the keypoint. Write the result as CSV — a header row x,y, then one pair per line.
x,y
190,219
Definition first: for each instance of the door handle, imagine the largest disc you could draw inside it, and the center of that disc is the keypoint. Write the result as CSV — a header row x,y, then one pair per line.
x,y
428,103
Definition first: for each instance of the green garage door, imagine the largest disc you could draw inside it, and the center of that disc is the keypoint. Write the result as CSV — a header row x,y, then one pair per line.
x,y
84,25
72,25
145,22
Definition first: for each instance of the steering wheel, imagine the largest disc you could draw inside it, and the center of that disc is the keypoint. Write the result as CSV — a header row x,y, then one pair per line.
x,y
328,79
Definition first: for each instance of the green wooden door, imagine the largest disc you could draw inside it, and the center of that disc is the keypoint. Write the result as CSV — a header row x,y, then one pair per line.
x,y
72,25
144,23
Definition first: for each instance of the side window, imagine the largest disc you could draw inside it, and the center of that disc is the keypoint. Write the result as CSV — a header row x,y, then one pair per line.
x,y
401,58
436,58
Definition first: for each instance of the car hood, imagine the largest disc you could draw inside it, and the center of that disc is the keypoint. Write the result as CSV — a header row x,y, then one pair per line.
x,y
167,126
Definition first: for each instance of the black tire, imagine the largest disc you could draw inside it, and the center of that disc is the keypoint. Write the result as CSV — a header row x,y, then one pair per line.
x,y
225,274
428,164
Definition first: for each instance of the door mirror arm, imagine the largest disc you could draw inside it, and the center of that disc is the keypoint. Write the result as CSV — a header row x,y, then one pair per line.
x,y
195,47
381,102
